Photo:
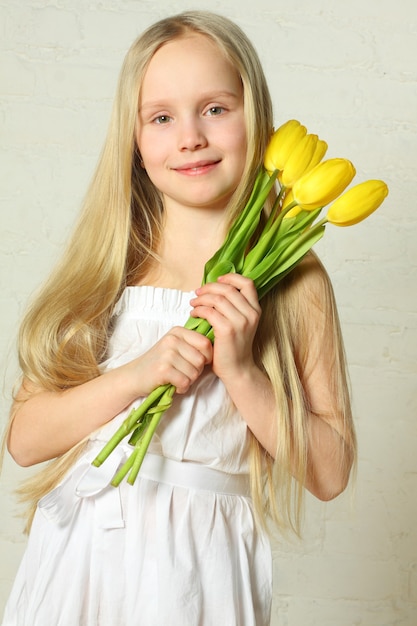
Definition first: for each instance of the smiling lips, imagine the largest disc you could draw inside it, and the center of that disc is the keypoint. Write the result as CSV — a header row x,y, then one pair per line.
x,y
197,168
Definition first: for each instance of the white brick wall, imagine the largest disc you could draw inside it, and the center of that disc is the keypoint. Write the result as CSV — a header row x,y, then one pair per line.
x,y
348,71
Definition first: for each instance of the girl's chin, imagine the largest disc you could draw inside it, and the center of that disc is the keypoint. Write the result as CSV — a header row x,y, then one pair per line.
x,y
199,200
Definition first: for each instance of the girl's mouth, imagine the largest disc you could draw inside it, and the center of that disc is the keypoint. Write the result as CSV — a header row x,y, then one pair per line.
x,y
197,168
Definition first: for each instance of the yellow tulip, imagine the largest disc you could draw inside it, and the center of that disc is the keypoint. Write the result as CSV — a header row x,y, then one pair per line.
x,y
299,160
282,143
323,184
288,199
357,203
294,211
320,151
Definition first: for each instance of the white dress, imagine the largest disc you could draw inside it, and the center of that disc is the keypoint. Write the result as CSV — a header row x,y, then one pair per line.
x,y
179,547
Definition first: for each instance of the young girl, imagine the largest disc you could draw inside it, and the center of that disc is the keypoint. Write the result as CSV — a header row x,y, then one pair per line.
x,y
257,417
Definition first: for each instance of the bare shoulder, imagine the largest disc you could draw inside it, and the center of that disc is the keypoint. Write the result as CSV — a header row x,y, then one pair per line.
x,y
26,390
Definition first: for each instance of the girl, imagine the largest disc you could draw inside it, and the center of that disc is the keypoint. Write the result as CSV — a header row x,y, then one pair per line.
x,y
258,417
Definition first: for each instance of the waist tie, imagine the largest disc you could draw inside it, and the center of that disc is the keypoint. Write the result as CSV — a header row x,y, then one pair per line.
x,y
88,481
193,476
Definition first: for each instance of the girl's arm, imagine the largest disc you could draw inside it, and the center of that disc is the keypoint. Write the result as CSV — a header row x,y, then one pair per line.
x,y
45,424
232,307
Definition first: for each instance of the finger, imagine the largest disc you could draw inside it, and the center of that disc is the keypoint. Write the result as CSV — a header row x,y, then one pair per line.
x,y
190,341
179,371
224,296
185,354
246,286
236,282
227,318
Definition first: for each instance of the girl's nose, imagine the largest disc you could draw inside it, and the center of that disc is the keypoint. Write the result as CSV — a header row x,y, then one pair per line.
x,y
191,135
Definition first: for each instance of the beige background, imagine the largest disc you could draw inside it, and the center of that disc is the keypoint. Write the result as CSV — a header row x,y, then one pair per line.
x,y
348,71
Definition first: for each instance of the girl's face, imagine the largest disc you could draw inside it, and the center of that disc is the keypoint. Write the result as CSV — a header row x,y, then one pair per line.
x,y
191,130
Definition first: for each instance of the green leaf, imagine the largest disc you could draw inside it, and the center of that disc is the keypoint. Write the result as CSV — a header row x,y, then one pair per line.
x,y
244,226
220,269
270,276
299,222
192,323
131,421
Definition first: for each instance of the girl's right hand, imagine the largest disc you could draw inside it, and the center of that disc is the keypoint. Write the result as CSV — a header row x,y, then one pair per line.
x,y
48,423
178,358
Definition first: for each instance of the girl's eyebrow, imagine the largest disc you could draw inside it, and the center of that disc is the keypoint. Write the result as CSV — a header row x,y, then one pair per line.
x,y
210,96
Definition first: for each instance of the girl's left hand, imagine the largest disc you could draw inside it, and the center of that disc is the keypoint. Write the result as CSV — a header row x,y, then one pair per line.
x,y
232,308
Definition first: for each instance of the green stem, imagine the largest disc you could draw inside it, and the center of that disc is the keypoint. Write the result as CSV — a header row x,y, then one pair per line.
x,y
236,242
292,255
121,473
143,445
259,250
134,461
289,250
272,216
140,429
129,423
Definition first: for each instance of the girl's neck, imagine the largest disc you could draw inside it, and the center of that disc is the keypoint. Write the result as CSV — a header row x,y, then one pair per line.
x,y
188,240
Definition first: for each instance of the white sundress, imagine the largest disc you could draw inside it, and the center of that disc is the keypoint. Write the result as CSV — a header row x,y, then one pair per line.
x,y
179,547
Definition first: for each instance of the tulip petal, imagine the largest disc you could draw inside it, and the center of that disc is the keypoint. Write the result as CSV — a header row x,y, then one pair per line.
x,y
318,156
357,203
282,143
324,183
299,160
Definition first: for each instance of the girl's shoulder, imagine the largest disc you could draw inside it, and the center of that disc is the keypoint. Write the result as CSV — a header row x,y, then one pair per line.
x,y
309,279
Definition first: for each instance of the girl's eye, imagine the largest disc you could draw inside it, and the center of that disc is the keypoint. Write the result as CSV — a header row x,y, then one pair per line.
x,y
215,110
162,119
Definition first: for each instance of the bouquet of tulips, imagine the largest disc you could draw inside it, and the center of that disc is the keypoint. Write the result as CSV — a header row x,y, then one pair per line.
x,y
301,185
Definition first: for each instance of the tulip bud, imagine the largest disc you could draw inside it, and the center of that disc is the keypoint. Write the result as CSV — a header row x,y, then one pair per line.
x,y
291,212
323,184
320,151
357,203
299,160
282,143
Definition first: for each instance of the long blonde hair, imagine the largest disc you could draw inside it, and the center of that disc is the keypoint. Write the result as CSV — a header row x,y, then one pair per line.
x,y
63,337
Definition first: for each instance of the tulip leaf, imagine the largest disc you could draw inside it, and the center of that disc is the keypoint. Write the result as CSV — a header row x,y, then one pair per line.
x,y
273,269
221,268
240,233
300,221
198,324
139,430
287,225
273,243
192,323
298,248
